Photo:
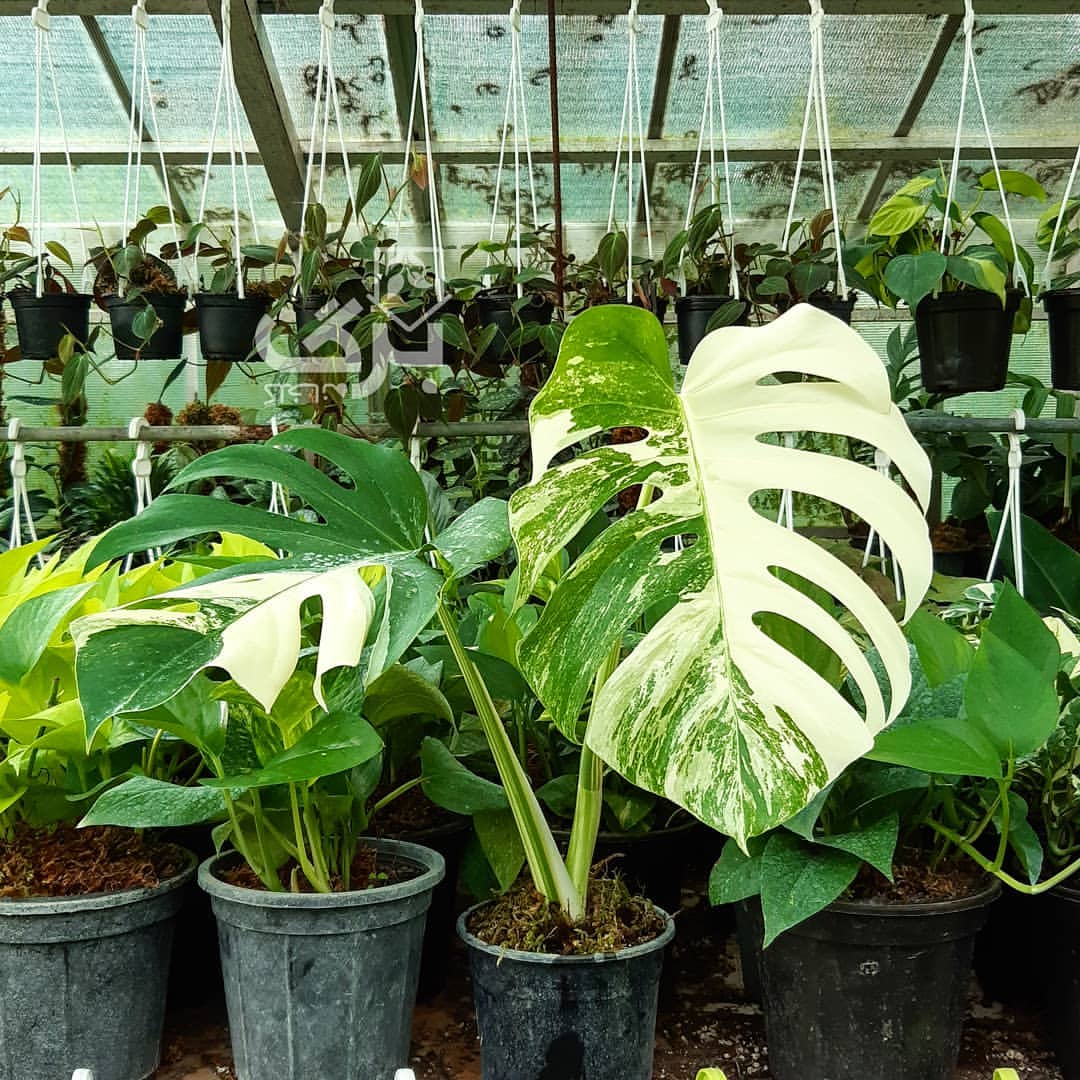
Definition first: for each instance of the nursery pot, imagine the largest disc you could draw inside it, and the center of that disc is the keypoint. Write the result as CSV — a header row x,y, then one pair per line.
x,y
228,325
870,990
41,321
166,343
836,306
546,1017
82,982
414,332
495,309
1063,315
692,314
323,984
965,340
322,328
1062,923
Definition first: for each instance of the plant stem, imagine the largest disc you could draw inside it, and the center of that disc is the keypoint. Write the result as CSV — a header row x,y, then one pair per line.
x,y
386,800
546,865
265,873
306,865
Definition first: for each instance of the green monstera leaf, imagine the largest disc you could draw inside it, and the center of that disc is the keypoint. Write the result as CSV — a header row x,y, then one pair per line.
x,y
708,709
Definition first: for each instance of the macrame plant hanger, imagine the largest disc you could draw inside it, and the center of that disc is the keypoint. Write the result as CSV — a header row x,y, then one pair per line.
x,y
631,130
515,119
327,105
1012,517
817,107
1061,219
883,464
141,469
971,76
228,97
43,60
20,495
420,100
714,95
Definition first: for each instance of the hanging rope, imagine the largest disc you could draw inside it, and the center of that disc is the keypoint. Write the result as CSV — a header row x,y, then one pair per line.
x,y
787,497
817,105
631,127
971,74
714,25
1059,225
42,22
516,118
1011,519
141,468
20,495
229,96
420,98
883,464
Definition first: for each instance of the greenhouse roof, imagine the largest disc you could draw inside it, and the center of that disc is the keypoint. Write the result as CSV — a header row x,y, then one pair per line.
x,y
893,79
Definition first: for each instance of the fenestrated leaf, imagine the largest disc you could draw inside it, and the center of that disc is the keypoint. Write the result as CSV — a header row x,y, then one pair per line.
x,y
708,710
145,803
335,744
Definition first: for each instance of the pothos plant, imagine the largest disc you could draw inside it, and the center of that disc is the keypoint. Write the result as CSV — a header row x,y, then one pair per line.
x,y
901,257
706,708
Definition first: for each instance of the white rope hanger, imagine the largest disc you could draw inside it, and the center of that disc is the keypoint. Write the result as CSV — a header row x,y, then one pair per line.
x,y
43,58
1060,224
1011,519
817,105
631,129
229,96
971,75
20,495
141,468
883,464
714,92
516,118
420,98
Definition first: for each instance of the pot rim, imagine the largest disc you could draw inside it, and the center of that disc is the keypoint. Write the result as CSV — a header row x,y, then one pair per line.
x,y
473,942
166,300
213,299
1060,294
704,300
980,899
973,300
71,905
26,298
431,862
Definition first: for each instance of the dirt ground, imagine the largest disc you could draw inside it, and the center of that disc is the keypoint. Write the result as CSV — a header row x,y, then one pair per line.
x,y
706,1021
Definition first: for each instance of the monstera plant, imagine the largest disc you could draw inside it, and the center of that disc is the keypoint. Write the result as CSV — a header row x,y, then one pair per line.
x,y
707,708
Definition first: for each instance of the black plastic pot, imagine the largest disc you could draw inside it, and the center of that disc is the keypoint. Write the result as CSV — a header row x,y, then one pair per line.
x,y
1062,923
870,990
950,563
965,340
315,320
837,307
1063,315
166,343
449,840
565,1017
413,333
497,309
83,982
1013,951
693,314
41,321
228,325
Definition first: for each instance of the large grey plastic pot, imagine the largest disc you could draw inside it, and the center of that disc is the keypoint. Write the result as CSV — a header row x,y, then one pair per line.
x,y
323,984
566,1017
82,982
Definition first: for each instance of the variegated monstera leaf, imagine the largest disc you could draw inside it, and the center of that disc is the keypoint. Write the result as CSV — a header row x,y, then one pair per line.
x,y
708,709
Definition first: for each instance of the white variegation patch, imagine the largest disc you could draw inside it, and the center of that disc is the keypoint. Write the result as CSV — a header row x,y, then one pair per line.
x,y
708,709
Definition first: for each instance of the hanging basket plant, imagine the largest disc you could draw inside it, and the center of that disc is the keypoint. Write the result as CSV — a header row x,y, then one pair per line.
x,y
1058,234
140,293
967,303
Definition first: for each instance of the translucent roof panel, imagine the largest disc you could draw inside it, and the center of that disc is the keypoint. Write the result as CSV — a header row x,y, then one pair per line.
x,y
1029,69
468,60
183,58
365,89
187,185
872,67
91,110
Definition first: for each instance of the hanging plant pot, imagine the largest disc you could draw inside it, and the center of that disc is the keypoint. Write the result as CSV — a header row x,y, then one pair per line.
x,y
323,984
1062,922
415,336
166,343
228,325
965,340
1063,314
836,306
318,328
497,309
885,985
694,313
84,981
544,1016
42,321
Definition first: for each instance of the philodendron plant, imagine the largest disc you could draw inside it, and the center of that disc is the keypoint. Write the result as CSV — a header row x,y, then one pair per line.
x,y
708,708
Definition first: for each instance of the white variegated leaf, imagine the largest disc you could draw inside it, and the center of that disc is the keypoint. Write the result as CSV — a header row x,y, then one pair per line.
x,y
708,709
